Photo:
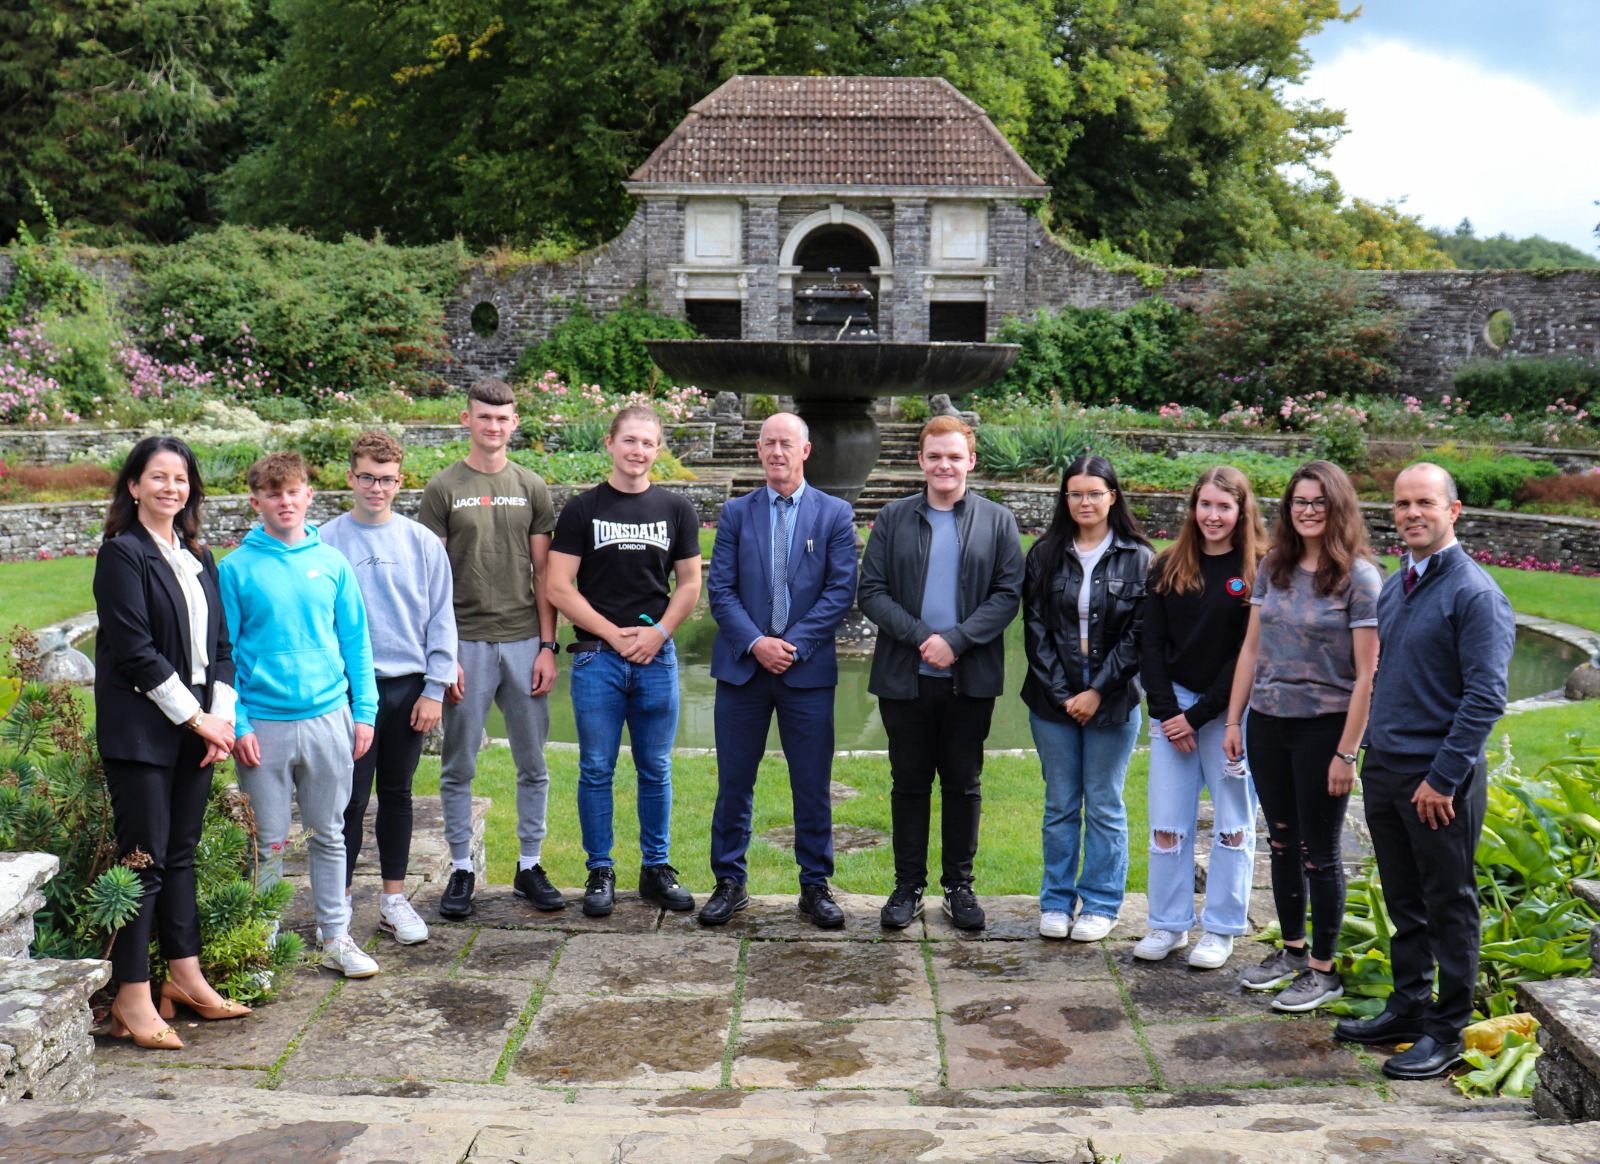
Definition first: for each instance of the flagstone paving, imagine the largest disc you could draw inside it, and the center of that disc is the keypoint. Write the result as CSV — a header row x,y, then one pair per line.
x,y
515,1035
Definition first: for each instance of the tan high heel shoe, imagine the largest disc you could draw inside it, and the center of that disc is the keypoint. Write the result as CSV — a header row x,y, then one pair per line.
x,y
166,1039
171,992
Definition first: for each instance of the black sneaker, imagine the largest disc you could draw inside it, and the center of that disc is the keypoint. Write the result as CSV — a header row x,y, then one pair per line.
x,y
659,883
962,908
727,899
456,900
535,886
903,908
816,902
600,893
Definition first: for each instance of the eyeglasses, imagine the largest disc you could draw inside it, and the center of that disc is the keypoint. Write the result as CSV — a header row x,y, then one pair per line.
x,y
1314,504
1095,497
367,481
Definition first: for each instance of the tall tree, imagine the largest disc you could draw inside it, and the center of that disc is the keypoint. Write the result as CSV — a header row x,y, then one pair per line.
x,y
115,111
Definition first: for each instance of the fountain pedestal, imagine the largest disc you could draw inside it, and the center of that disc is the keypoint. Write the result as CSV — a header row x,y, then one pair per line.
x,y
834,384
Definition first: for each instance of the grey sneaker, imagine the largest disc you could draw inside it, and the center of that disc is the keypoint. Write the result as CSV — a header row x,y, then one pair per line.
x,y
1309,990
1276,968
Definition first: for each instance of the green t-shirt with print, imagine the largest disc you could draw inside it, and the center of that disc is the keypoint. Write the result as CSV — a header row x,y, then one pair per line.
x,y
487,520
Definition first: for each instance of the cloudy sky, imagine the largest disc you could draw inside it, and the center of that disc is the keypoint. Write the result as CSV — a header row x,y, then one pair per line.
x,y
1480,109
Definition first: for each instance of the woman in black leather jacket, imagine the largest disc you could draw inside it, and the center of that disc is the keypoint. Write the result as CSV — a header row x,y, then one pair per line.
x,y
1085,584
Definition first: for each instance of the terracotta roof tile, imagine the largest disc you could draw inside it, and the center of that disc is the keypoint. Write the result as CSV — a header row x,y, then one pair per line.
x,y
834,131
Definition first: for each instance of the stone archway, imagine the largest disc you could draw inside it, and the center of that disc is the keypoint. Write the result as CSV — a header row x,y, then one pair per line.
x,y
837,264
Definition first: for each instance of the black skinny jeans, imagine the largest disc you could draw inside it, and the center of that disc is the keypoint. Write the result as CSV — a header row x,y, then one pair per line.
x,y
159,810
937,732
1289,761
392,762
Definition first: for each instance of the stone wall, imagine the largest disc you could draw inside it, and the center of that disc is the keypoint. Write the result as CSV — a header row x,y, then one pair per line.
x,y
1554,313
74,527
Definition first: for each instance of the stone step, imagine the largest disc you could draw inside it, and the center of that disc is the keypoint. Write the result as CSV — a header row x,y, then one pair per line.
x,y
185,1117
22,875
45,1048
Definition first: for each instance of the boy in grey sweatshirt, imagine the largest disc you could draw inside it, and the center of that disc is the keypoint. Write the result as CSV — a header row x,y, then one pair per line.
x,y
405,582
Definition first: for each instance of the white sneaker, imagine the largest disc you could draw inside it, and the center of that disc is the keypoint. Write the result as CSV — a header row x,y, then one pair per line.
x,y
1157,944
1211,952
1053,923
397,917
349,916
1091,927
342,954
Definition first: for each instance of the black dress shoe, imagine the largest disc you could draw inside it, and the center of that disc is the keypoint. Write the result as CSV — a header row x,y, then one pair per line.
x,y
1426,1058
816,902
659,883
600,893
456,901
1385,1027
727,899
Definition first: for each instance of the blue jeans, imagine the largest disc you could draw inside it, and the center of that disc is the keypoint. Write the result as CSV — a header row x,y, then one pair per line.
x,y
607,692
1175,782
1084,768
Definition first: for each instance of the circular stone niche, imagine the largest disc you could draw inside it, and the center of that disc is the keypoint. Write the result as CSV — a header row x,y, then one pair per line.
x,y
485,320
1499,328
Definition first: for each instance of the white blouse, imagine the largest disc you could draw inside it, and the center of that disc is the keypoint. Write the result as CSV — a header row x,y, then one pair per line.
x,y
173,695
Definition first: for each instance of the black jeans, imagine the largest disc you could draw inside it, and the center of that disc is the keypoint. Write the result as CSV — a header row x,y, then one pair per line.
x,y
392,760
1430,883
938,731
1289,759
160,810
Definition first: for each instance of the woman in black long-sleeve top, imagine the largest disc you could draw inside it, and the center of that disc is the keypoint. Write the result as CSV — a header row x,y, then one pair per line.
x,y
163,715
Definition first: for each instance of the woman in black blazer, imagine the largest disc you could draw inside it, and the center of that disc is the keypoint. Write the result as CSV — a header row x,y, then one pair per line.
x,y
163,715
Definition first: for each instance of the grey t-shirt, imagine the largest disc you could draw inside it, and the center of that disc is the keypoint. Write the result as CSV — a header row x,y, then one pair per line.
x,y
1306,663
939,587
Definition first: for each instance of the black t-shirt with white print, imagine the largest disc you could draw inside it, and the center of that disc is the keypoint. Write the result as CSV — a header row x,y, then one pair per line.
x,y
628,543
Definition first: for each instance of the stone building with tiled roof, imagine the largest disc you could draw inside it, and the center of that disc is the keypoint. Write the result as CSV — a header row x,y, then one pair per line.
x,y
809,207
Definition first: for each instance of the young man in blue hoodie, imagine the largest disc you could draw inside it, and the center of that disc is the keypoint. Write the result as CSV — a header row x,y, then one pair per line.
x,y
307,696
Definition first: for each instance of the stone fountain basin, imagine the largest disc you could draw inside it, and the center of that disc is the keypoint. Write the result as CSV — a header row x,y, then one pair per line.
x,y
833,370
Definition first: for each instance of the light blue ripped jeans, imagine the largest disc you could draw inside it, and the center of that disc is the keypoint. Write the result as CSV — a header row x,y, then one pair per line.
x,y
1174,802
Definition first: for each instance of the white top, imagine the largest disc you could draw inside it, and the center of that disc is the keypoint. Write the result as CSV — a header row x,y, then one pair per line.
x,y
174,695
1090,559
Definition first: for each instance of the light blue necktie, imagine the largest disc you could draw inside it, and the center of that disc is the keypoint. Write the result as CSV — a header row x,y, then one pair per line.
x,y
780,568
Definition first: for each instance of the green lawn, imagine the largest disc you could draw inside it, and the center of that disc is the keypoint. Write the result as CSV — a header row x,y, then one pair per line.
x,y
1008,847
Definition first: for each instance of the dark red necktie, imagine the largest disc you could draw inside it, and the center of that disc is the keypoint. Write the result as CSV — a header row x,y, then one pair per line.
x,y
1410,580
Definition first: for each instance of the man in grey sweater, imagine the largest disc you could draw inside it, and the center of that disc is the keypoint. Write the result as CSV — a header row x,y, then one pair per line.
x,y
1446,632
405,583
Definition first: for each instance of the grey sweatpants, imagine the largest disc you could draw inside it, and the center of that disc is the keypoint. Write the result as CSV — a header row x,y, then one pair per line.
x,y
499,673
310,760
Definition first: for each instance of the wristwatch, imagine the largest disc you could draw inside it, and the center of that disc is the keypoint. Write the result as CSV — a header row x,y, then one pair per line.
x,y
1347,757
193,722
549,645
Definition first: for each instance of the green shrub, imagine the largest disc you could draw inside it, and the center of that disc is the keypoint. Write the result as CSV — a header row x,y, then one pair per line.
x,y
352,317
1529,384
1285,328
1160,473
1485,482
1040,448
609,351
53,799
1091,355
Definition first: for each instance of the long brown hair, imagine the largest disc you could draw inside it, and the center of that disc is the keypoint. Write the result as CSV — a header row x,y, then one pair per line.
x,y
1344,540
1177,568
123,516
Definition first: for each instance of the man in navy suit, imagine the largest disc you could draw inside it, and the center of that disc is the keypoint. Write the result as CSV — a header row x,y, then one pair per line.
x,y
783,576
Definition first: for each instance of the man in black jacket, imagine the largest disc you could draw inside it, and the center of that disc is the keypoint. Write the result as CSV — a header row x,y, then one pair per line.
x,y
941,578
1447,633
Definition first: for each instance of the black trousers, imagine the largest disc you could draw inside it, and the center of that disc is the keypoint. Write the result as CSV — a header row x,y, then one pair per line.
x,y
1289,761
1430,883
159,810
391,762
937,732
